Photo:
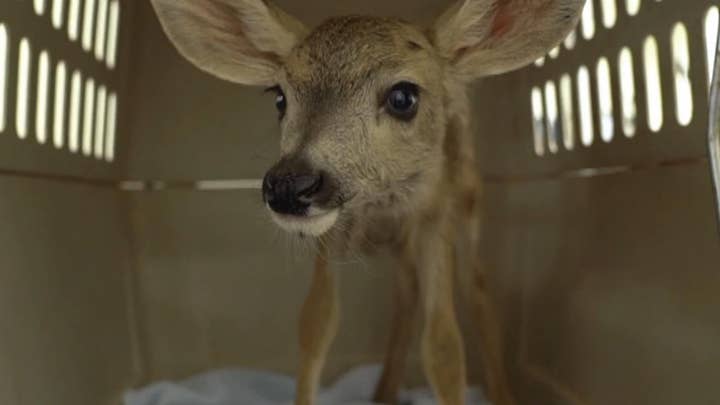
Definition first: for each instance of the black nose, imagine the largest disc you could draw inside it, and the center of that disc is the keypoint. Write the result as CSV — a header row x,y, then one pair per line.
x,y
290,193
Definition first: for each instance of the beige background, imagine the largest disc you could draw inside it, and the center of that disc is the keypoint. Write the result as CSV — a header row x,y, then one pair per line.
x,y
609,284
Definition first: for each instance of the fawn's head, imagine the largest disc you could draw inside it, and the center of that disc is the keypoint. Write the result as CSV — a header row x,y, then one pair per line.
x,y
363,102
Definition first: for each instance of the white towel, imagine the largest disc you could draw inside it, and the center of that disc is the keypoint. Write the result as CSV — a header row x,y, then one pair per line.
x,y
246,387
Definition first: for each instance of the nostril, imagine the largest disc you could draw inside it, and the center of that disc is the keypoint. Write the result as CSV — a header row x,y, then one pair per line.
x,y
307,186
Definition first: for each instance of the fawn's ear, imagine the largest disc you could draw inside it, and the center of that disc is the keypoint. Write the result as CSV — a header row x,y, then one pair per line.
x,y
488,37
242,41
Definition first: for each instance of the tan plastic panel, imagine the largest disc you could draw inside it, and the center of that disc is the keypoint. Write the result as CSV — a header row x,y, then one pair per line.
x,y
505,127
66,325
220,286
610,282
611,286
65,335
27,155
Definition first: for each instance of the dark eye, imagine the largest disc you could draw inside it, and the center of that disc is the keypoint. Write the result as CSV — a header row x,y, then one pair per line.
x,y
402,101
280,100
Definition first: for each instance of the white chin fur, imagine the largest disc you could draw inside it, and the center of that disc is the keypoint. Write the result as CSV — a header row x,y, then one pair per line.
x,y
316,223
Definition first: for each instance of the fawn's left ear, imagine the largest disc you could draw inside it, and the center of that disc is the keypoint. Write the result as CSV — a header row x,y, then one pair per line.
x,y
489,37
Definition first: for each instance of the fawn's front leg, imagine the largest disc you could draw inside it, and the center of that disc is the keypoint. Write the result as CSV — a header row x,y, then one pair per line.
x,y
497,385
402,328
490,329
318,326
443,353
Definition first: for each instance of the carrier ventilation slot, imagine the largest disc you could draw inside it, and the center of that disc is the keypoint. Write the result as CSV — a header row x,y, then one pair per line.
x,y
71,110
573,102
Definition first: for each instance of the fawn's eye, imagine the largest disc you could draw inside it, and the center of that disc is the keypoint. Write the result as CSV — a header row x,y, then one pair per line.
x,y
280,100
402,101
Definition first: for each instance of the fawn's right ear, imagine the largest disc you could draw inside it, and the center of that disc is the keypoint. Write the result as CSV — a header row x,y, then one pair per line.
x,y
242,41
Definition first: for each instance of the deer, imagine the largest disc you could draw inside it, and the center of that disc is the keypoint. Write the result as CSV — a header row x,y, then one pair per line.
x,y
377,154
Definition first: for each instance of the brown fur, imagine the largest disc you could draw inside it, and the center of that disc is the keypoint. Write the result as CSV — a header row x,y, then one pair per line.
x,y
409,187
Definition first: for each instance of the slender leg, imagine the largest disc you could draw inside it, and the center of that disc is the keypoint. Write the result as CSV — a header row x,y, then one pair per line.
x,y
492,351
403,322
443,353
497,386
318,326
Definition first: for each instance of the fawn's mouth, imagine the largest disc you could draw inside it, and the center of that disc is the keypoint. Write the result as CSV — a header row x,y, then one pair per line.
x,y
315,223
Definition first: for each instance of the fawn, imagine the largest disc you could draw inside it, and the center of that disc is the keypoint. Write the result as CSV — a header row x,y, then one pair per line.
x,y
377,153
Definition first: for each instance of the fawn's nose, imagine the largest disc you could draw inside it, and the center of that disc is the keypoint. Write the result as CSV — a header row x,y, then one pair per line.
x,y
290,192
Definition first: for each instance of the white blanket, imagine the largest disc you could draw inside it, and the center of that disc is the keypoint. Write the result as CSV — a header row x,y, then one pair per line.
x,y
245,387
